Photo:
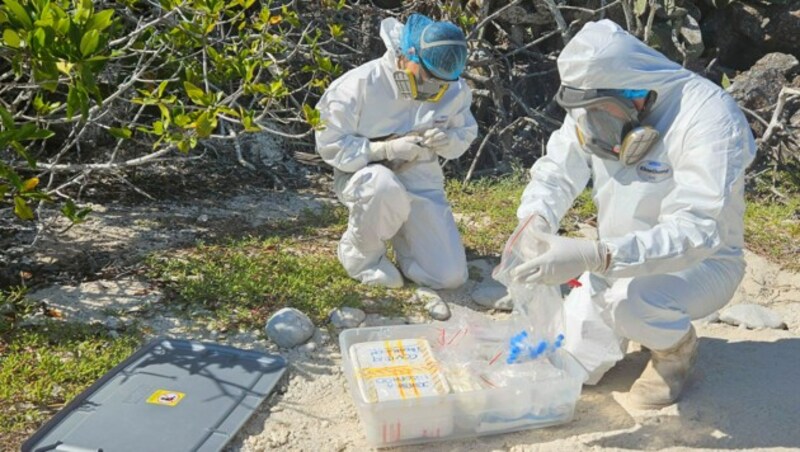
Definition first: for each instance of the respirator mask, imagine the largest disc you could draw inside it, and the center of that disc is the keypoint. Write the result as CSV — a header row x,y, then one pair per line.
x,y
411,87
607,123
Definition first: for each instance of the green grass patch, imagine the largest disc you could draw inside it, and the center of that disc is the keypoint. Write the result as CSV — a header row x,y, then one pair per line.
x,y
239,284
486,211
772,229
14,308
43,367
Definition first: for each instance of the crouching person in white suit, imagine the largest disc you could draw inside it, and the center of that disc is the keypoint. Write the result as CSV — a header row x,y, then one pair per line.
x,y
385,125
667,151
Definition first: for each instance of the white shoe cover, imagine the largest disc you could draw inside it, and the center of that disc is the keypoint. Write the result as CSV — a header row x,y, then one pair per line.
x,y
384,274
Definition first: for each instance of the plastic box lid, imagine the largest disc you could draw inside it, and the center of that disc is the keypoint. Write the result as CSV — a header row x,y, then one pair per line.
x,y
170,395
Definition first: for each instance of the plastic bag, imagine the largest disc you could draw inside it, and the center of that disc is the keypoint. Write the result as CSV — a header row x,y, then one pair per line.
x,y
539,307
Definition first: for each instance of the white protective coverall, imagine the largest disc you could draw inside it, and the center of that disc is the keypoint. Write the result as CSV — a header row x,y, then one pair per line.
x,y
673,221
407,206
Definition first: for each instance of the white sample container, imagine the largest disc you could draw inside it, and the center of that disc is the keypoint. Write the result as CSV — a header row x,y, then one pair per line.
x,y
521,404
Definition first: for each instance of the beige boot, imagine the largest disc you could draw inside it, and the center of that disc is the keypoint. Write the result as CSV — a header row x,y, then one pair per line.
x,y
665,375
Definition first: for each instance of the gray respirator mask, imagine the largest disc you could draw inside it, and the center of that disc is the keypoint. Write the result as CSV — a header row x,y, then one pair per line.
x,y
607,124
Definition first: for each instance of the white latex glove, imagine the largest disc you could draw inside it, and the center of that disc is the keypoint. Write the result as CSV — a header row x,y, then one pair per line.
x,y
435,138
564,258
406,148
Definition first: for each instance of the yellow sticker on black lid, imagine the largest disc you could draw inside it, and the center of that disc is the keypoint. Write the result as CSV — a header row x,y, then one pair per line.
x,y
165,397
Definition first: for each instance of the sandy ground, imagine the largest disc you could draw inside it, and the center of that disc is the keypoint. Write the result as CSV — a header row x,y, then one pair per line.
x,y
743,395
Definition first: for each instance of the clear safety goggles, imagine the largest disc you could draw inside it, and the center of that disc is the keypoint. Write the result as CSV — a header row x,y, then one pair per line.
x,y
426,88
607,124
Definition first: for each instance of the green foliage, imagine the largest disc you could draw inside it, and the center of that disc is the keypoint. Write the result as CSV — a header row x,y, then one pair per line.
x,y
211,68
312,116
726,82
14,189
456,13
14,308
73,213
44,367
772,228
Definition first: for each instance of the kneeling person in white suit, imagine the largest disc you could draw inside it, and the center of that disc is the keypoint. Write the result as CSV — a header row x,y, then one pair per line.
x,y
385,124
666,150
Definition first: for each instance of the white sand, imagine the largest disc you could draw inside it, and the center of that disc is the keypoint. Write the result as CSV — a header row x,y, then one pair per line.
x,y
743,395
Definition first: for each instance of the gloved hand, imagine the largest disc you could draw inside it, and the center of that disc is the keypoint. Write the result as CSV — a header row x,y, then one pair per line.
x,y
521,246
435,139
564,258
534,222
406,148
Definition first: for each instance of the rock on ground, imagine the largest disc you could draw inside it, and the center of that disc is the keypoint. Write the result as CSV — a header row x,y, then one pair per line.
x,y
289,328
758,87
491,295
752,316
438,309
346,317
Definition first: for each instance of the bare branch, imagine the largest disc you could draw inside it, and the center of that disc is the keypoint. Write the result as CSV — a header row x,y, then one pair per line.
x,y
105,167
559,18
775,123
478,154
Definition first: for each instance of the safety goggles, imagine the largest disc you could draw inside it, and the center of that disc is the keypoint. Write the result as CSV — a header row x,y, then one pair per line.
x,y
426,88
607,124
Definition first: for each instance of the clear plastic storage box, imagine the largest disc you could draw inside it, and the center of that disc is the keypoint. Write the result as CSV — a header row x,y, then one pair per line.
x,y
546,395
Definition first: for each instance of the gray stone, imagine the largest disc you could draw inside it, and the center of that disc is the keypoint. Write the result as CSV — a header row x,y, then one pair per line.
x,y
751,316
759,86
346,317
438,309
737,33
491,295
784,27
289,328
379,320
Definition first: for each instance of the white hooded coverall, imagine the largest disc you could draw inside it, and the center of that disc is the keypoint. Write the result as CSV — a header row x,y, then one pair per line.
x,y
673,221
406,205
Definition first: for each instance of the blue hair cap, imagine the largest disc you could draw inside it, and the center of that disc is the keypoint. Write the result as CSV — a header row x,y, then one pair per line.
x,y
440,47
633,93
